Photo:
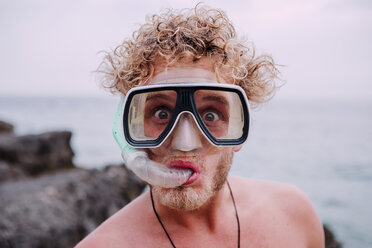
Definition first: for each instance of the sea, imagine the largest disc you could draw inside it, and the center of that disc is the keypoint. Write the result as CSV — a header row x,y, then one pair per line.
x,y
322,146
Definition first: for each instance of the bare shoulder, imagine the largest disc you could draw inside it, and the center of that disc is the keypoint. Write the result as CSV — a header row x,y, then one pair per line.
x,y
284,196
121,229
284,202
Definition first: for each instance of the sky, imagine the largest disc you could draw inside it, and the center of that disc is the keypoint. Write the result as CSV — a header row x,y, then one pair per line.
x,y
51,48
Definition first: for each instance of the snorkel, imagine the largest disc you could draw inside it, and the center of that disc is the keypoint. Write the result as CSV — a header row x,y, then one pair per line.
x,y
136,160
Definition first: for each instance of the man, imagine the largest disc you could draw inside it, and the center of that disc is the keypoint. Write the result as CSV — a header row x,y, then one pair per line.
x,y
187,81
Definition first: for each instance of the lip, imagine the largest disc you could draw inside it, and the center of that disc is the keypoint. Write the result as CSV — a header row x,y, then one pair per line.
x,y
187,164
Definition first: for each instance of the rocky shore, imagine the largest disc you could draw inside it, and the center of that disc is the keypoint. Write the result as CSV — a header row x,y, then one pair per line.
x,y
48,202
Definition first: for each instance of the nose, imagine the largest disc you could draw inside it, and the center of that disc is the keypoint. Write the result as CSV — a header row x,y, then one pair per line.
x,y
186,136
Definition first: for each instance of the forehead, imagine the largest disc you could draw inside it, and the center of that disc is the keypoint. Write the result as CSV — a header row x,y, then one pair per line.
x,y
185,75
202,71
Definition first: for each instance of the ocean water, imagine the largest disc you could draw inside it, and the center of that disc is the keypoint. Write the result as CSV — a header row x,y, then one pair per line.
x,y
324,147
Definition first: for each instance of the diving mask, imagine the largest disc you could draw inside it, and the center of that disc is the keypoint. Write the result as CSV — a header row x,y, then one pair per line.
x,y
151,112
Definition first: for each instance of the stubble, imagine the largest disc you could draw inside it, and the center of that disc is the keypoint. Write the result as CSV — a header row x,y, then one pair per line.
x,y
190,198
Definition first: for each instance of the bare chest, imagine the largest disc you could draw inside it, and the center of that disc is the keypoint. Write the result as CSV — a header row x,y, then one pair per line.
x,y
248,239
264,230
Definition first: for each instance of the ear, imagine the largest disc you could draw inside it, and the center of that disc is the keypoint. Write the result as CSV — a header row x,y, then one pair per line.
x,y
237,148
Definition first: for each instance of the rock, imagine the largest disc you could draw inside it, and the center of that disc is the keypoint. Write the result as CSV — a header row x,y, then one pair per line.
x,y
8,172
59,209
36,154
330,240
6,128
45,201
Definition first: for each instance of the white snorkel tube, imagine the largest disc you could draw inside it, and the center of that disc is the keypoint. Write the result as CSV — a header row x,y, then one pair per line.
x,y
136,160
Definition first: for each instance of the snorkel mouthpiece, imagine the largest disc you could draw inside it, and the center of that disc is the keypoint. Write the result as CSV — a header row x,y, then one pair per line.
x,y
155,174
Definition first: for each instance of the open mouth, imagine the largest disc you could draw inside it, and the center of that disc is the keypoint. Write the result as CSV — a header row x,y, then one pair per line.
x,y
186,165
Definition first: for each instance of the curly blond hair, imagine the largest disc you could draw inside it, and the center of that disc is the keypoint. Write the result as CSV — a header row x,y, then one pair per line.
x,y
189,34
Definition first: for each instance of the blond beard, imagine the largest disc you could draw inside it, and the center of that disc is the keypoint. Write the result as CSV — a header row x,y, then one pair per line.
x,y
189,198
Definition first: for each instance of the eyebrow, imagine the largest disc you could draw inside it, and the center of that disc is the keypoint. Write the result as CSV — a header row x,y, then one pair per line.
x,y
216,98
158,95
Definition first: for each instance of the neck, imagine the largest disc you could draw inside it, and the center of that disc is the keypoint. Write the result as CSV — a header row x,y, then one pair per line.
x,y
207,215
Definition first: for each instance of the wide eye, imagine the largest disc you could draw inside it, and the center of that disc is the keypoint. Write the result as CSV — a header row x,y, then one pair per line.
x,y
210,116
162,114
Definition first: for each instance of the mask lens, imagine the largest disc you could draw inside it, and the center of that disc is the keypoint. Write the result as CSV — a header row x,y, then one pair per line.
x,y
150,113
221,112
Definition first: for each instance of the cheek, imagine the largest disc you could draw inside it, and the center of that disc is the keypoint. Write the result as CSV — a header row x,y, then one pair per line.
x,y
154,153
160,152
216,155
